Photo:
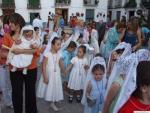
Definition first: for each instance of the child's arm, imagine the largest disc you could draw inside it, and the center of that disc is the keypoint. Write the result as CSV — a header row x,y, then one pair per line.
x,y
61,64
88,88
112,93
69,68
45,77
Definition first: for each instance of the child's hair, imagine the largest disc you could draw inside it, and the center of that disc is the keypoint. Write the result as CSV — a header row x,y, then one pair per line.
x,y
98,67
98,55
143,78
83,48
36,28
45,40
54,40
72,44
120,51
81,35
26,31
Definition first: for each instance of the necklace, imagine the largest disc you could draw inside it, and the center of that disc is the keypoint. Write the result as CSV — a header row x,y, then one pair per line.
x,y
80,61
54,61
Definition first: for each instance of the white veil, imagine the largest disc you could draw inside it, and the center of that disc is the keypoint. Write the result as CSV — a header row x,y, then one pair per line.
x,y
129,65
116,69
52,36
96,60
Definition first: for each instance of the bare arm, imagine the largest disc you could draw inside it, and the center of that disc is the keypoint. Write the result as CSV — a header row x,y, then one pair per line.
x,y
139,36
69,68
112,93
122,35
44,63
61,64
88,89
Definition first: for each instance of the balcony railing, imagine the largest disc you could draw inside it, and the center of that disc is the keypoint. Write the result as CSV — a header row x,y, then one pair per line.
x,y
146,3
8,5
131,4
90,2
62,2
34,6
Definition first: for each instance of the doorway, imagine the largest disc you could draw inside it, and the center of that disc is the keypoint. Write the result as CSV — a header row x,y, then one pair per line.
x,y
64,13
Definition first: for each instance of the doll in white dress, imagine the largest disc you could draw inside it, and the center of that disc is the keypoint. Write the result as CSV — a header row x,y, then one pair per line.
x,y
78,67
27,41
50,84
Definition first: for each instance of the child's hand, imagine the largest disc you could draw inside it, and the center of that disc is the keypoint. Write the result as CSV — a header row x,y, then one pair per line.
x,y
45,80
18,41
34,46
86,67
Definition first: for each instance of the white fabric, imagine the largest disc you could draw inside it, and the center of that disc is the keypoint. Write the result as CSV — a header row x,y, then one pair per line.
x,y
116,68
96,60
78,73
130,64
53,91
52,36
37,23
94,34
23,60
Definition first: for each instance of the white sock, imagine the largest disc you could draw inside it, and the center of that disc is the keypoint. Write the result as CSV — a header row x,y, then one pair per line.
x,y
13,69
24,71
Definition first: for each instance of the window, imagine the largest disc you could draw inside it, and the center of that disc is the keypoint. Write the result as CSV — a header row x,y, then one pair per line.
x,y
34,4
89,14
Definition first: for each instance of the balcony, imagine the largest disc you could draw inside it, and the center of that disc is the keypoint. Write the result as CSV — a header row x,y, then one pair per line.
x,y
118,4
131,4
146,3
34,4
8,5
62,2
38,6
90,2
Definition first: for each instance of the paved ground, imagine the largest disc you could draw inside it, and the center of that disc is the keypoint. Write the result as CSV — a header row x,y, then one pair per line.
x,y
43,107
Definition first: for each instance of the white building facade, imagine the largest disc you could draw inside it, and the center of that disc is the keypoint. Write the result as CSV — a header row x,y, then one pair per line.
x,y
89,8
127,8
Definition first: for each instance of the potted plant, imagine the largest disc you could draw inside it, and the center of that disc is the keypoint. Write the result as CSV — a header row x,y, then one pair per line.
x,y
96,2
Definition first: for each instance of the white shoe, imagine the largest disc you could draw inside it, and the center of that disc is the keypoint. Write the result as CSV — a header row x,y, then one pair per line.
x,y
54,107
13,69
24,71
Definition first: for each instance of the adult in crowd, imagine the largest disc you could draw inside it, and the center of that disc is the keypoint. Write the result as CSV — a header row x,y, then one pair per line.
x,y
18,80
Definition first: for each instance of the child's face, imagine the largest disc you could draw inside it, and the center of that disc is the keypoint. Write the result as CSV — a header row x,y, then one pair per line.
x,y
146,91
37,31
57,45
80,53
28,35
98,75
115,56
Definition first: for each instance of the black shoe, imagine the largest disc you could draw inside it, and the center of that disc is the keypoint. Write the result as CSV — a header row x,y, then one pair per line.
x,y
70,98
78,98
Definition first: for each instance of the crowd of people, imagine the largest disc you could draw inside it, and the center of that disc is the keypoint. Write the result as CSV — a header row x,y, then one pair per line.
x,y
105,69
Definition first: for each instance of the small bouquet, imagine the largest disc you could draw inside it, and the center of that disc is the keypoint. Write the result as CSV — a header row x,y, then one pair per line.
x,y
90,101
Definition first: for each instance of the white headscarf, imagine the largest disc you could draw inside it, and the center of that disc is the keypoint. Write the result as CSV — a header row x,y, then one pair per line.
x,y
52,36
116,68
129,65
96,60
27,27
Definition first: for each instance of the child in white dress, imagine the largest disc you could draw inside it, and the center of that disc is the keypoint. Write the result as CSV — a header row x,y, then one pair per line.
x,y
79,66
28,41
50,84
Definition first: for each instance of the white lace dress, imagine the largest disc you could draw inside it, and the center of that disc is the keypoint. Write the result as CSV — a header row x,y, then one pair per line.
x,y
53,91
78,74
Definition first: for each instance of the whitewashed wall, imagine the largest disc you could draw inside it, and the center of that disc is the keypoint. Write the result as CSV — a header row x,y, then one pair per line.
x,y
48,5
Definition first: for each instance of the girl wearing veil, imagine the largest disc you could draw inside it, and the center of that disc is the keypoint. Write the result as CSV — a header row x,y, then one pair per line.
x,y
129,65
140,98
116,75
95,86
